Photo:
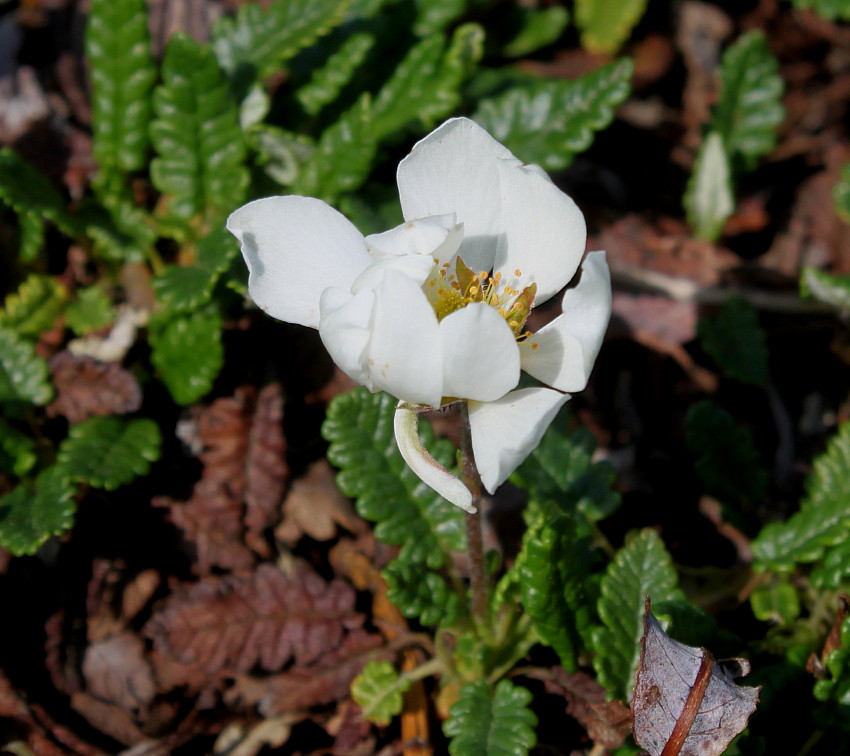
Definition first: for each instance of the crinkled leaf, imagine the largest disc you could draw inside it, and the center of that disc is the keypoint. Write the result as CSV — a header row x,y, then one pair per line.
x,y
109,452
183,288
187,353
34,307
17,450
736,342
122,74
641,568
606,24
491,722
23,374
267,619
407,513
423,596
91,310
280,153
34,511
823,519
118,229
727,460
750,107
826,287
327,82
538,27
257,41
196,133
379,691
550,122
709,199
832,10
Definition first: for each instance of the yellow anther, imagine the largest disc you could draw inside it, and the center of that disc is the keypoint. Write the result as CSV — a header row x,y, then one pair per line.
x,y
517,272
482,274
535,345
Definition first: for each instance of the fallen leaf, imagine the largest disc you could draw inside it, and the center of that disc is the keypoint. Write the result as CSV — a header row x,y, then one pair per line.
x,y
684,702
238,739
116,672
108,718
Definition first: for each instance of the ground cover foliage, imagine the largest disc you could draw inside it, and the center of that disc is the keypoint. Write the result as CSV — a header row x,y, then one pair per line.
x,y
208,543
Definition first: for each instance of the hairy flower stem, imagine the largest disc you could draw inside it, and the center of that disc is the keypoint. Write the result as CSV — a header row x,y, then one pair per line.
x,y
474,539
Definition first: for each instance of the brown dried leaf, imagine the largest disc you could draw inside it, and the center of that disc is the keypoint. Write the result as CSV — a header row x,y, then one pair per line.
x,y
683,702
86,387
108,718
117,672
266,619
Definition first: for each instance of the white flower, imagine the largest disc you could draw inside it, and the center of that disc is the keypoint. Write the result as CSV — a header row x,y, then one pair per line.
x,y
434,310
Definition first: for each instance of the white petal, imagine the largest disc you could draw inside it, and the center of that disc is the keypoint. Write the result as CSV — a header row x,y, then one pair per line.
x,y
423,464
415,267
480,355
344,329
405,358
544,230
505,432
414,237
295,248
567,347
455,170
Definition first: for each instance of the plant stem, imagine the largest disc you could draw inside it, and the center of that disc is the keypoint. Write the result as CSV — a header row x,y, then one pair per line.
x,y
474,539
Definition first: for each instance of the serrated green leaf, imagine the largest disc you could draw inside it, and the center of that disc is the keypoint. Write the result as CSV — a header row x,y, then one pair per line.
x,y
641,568
187,353
196,134
183,288
485,722
826,287
727,460
736,342
23,374
17,450
34,307
549,122
109,452
327,81
359,427
750,107
122,74
379,691
118,229
423,596
257,42
90,311
834,568
33,512
435,15
538,27
709,199
823,519
606,24
831,10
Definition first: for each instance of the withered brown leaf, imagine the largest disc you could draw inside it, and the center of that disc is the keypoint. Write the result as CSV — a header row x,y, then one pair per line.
x,y
116,671
684,703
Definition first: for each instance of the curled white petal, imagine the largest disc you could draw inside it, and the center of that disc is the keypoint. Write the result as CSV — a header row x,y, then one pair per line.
x,y
344,330
422,236
295,248
505,432
429,471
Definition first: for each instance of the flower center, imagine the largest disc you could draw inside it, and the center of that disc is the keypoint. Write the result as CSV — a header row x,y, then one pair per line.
x,y
451,290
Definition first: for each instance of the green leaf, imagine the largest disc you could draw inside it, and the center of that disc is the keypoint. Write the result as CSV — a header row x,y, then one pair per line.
x,y
196,134
823,519
33,512
423,596
831,10
834,569
17,450
34,307
426,84
23,374
109,452
327,82
826,287
836,685
736,342
709,199
258,41
841,193
118,229
187,353
485,722
281,153
435,15
379,691
606,24
359,427
727,460
641,568
750,107
122,74
537,28
549,122
183,288
776,603
91,310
